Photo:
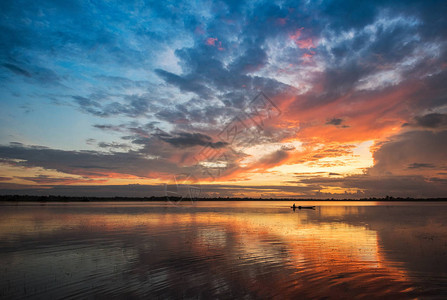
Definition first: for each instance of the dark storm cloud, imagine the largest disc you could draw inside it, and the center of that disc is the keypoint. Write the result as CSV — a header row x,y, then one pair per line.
x,y
35,74
90,106
17,70
108,127
138,105
85,162
132,190
179,146
172,116
434,120
16,144
410,149
334,121
252,60
433,93
421,166
185,139
197,112
204,69
185,84
86,103
133,128
113,145
44,179
132,105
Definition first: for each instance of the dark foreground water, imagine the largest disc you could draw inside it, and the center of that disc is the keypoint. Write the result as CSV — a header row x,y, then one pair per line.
x,y
246,250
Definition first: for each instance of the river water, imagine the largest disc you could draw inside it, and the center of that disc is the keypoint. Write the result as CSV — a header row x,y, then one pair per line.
x,y
243,250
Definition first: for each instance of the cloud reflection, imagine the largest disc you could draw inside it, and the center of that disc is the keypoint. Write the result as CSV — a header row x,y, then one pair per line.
x,y
218,251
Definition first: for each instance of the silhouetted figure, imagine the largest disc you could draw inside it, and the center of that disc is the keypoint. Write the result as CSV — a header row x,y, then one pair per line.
x,y
294,207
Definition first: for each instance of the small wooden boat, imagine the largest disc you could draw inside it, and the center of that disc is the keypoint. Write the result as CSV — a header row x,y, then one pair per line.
x,y
303,207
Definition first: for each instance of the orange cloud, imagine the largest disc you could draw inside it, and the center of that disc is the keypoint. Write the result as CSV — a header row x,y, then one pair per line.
x,y
211,41
306,56
359,118
305,44
365,117
302,43
296,35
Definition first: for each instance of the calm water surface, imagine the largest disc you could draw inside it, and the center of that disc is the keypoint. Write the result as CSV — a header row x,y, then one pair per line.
x,y
247,250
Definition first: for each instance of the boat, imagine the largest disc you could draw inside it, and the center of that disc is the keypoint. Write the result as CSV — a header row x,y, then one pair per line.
x,y
303,207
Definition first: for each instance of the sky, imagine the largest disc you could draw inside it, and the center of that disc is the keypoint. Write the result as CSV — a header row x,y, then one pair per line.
x,y
271,99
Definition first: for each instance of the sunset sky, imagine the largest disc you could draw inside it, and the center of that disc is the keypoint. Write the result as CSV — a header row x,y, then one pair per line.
x,y
305,99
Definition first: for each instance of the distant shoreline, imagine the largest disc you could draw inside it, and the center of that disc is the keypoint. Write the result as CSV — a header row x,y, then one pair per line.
x,y
27,198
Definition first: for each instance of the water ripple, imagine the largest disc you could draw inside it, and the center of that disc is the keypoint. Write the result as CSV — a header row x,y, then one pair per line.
x,y
217,251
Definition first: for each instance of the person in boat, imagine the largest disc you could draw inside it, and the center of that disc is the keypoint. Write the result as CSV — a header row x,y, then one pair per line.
x,y
294,207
